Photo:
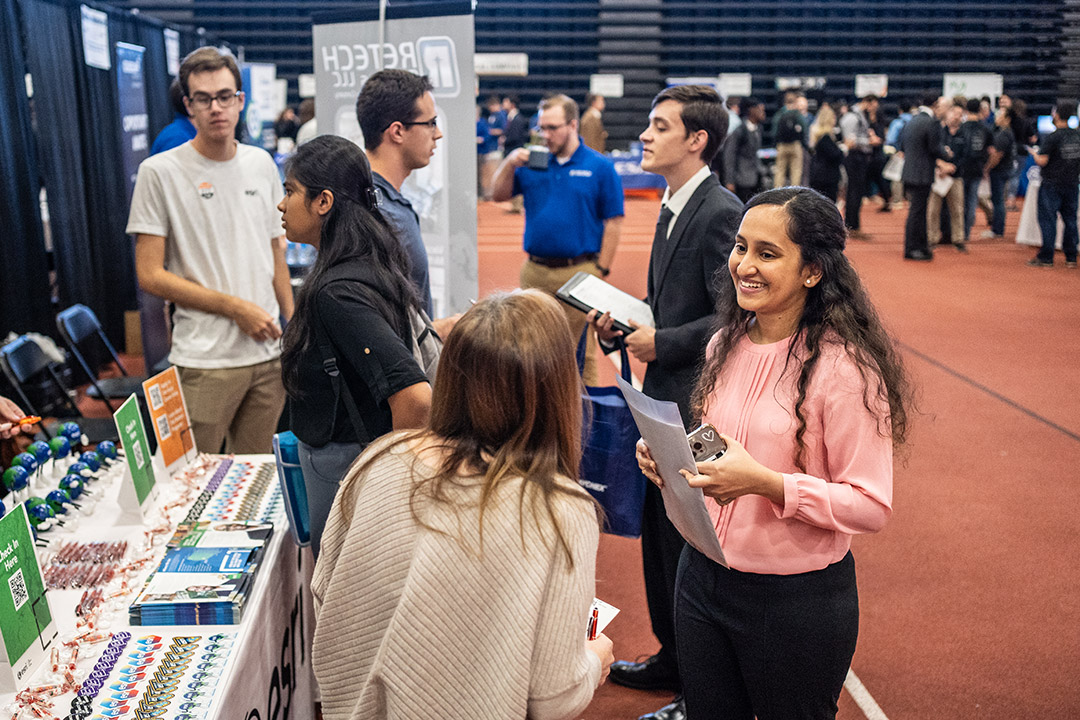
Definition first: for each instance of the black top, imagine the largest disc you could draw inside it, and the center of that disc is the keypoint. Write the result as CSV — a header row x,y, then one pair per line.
x,y
1005,142
825,163
1063,149
516,134
977,140
375,362
957,144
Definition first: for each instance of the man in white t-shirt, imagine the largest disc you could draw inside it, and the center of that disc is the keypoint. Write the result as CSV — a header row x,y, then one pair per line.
x,y
209,240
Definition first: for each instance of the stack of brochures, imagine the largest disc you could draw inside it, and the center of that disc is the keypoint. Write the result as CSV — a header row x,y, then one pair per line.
x,y
205,577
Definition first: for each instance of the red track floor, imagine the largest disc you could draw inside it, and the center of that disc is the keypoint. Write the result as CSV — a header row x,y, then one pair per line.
x,y
970,597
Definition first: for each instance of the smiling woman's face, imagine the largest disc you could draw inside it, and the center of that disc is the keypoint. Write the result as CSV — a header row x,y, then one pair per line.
x,y
767,268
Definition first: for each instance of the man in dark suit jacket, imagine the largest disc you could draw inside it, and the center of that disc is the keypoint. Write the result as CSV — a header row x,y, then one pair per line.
x,y
923,155
694,236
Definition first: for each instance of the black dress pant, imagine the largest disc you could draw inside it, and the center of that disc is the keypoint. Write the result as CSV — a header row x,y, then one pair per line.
x,y
777,647
661,547
858,175
915,239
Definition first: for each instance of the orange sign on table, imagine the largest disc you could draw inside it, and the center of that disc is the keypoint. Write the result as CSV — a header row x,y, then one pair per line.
x,y
169,416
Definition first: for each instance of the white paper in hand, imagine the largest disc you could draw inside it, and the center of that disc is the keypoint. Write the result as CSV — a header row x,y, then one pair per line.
x,y
661,425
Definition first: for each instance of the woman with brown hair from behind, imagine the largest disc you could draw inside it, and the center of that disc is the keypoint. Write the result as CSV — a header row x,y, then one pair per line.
x,y
458,563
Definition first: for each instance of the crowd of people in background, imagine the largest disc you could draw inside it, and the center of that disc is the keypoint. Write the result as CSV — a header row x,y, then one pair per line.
x,y
970,156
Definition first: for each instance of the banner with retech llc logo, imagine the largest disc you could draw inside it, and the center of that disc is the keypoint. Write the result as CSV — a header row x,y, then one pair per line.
x,y
433,39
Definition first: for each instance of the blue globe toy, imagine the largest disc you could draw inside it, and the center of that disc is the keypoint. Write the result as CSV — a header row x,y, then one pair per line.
x,y
41,452
60,447
26,460
58,500
72,432
3,509
91,459
107,449
16,478
73,485
38,511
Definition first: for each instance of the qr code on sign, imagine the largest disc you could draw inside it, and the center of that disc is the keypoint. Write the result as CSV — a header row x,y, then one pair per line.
x,y
137,454
155,397
19,596
163,430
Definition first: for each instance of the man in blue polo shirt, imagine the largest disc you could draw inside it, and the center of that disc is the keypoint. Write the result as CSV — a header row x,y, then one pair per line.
x,y
573,209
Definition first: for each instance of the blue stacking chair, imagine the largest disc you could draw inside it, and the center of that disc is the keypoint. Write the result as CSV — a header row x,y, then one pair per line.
x,y
79,323
291,477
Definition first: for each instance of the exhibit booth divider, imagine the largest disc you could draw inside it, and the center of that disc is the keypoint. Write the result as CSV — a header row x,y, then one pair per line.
x,y
71,138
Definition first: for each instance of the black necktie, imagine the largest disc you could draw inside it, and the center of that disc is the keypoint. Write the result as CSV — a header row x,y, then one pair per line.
x,y
662,224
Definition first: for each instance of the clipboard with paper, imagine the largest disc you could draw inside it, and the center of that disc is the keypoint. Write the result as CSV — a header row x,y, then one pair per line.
x,y
587,292
661,426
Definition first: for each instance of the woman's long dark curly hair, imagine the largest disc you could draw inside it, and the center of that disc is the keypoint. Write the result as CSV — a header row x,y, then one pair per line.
x,y
352,229
837,310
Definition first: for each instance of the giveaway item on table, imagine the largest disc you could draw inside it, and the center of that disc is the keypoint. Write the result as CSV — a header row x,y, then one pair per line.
x,y
179,598
161,677
249,492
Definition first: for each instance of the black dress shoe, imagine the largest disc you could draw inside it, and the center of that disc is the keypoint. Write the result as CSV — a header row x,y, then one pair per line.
x,y
920,255
646,675
675,711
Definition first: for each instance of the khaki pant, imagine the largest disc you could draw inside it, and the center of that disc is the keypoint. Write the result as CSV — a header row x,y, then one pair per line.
x,y
240,406
954,199
789,158
550,280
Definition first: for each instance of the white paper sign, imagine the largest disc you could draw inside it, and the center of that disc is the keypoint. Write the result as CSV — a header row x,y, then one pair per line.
x,y
510,64
172,51
306,84
735,85
972,85
95,36
871,85
607,84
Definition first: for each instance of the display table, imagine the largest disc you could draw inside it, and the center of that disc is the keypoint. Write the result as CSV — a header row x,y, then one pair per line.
x,y
267,674
1028,233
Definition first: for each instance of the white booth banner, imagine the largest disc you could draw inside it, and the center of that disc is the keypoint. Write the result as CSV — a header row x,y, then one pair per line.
x,y
877,85
505,64
973,85
346,52
735,85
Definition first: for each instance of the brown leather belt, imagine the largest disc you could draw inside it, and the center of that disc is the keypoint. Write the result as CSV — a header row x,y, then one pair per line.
x,y
563,262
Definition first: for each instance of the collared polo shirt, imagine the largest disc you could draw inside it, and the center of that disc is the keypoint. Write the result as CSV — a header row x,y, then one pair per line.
x,y
400,214
567,204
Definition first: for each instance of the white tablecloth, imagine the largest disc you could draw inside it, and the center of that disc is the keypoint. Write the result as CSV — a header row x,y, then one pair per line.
x,y
269,673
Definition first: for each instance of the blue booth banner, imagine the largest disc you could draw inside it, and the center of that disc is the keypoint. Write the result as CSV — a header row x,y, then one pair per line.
x,y
131,96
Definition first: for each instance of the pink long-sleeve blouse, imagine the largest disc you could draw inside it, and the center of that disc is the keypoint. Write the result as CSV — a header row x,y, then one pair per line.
x,y
847,486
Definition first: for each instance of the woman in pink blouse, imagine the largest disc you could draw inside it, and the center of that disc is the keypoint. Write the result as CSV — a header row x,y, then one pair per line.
x,y
811,396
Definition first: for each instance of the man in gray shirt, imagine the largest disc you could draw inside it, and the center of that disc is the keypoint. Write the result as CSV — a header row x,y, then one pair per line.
x,y
860,141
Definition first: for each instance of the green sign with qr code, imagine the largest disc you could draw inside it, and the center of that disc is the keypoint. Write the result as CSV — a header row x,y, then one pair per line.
x,y
24,608
132,432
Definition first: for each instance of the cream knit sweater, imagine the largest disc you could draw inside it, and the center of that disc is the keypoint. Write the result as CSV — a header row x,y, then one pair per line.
x,y
421,625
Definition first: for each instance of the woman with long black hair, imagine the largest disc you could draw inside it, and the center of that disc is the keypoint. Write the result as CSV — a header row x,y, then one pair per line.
x,y
347,357
809,392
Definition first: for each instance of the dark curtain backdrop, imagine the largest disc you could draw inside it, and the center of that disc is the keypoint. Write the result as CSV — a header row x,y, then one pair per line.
x,y
50,59
24,278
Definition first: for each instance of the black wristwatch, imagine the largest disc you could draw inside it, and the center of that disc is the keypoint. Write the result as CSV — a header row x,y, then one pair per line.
x,y
604,272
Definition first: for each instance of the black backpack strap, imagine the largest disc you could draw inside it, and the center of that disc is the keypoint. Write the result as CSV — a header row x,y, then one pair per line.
x,y
330,367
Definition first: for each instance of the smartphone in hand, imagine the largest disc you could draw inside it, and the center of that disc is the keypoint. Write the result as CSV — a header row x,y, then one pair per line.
x,y
706,443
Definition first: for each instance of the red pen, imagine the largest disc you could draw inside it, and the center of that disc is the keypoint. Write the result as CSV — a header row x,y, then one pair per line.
x,y
593,622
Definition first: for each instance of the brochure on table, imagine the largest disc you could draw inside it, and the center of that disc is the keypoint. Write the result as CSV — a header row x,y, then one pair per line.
x,y
139,488
27,627
170,419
